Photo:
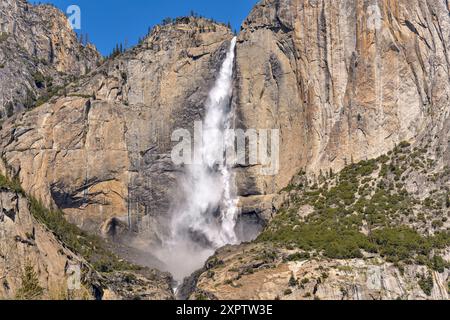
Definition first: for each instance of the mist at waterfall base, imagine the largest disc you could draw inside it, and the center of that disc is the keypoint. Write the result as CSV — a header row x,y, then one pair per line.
x,y
205,215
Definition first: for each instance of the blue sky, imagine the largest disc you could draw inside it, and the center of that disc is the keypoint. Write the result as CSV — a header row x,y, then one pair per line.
x,y
108,22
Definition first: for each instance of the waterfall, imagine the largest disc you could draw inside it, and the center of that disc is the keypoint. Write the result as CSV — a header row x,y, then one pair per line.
x,y
205,217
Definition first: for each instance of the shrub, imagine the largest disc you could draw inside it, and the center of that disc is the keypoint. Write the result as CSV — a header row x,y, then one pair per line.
x,y
404,145
305,281
201,297
30,288
287,292
13,184
292,281
334,228
400,243
39,79
436,224
91,247
438,264
299,256
426,283
3,36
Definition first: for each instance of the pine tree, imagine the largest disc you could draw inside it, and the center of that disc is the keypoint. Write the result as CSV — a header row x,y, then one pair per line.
x,y
292,281
30,289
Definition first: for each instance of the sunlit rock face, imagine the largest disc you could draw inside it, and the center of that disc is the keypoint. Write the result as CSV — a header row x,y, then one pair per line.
x,y
25,241
101,151
39,54
319,279
343,80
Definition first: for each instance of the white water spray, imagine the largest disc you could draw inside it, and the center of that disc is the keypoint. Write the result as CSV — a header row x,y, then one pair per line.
x,y
206,216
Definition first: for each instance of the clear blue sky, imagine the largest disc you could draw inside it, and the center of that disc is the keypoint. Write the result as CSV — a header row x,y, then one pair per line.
x,y
108,22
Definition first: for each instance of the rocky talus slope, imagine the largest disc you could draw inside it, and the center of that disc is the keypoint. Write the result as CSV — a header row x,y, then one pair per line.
x,y
28,245
39,55
379,229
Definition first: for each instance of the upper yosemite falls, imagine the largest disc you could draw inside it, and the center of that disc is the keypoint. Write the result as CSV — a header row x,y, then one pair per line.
x,y
350,99
194,231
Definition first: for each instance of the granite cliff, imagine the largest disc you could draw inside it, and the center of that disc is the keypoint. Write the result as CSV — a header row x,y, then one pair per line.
x,y
113,129
39,55
44,257
344,81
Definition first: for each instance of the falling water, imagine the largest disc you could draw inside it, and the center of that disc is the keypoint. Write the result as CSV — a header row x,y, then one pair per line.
x,y
205,218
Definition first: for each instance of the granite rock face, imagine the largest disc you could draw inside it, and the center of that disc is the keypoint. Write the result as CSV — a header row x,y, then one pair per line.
x,y
39,55
26,242
379,229
102,152
245,273
342,80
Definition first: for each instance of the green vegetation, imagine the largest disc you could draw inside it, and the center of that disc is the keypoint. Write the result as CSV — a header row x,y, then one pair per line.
x,y
298,256
369,196
91,247
3,36
45,83
50,93
13,184
30,288
39,80
438,264
117,51
80,95
201,297
49,90
426,284
292,281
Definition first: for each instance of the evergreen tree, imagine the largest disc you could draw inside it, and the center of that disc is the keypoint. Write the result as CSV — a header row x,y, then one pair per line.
x,y
30,289
292,281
